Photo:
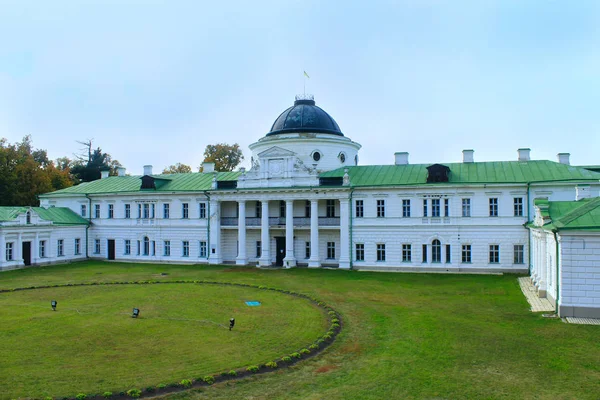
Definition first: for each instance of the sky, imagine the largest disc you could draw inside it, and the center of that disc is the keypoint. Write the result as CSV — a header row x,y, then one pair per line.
x,y
154,82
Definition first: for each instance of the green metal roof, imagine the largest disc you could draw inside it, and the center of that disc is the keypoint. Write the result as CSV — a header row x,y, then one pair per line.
x,y
466,173
190,182
58,215
570,215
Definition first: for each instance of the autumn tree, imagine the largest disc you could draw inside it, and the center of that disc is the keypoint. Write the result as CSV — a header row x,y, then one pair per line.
x,y
177,169
226,157
88,164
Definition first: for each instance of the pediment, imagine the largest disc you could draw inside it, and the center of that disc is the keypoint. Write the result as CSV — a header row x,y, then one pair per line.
x,y
276,151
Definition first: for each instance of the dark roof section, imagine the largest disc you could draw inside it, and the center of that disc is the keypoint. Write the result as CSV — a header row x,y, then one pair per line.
x,y
305,116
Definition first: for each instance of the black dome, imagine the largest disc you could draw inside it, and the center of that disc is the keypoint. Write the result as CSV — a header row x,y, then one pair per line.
x,y
305,116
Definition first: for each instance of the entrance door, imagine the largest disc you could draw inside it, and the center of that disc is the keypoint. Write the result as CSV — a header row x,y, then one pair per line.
x,y
111,249
27,253
280,245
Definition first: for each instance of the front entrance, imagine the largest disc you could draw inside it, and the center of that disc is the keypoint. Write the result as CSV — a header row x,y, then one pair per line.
x,y
280,252
27,253
111,249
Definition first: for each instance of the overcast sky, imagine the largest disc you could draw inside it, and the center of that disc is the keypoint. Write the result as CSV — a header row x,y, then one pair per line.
x,y
154,82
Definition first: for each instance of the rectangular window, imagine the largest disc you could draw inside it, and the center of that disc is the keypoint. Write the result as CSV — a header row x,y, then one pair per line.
x,y
42,248
307,250
282,209
153,208
448,254
359,209
406,253
202,211
406,208
202,251
435,207
424,207
153,248
466,253
186,248
184,211
167,248
380,208
146,210
77,246
380,251
139,210
166,211
466,207
424,255
127,247
83,210
446,207
519,254
360,251
330,250
518,206
258,209
97,246
9,251
330,208
60,248
258,248
494,253
111,211
307,209
127,211
139,247
96,211
493,207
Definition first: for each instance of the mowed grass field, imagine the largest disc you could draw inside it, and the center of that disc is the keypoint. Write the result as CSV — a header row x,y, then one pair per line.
x,y
405,336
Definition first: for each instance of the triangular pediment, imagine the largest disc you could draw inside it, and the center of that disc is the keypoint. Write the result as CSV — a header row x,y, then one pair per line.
x,y
276,151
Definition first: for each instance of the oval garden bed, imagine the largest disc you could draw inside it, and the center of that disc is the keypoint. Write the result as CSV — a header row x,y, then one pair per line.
x,y
91,345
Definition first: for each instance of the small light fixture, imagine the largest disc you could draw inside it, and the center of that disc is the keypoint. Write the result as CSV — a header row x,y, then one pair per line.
x,y
53,303
231,323
136,313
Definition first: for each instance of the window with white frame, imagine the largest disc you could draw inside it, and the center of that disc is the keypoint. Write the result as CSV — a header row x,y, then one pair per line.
x,y
359,208
380,208
307,250
42,247
127,211
28,218
424,207
97,246
466,254
446,207
186,248
139,210
96,211
185,211
111,211
202,211
83,210
60,247
77,246
258,248
202,252
139,247
282,209
258,209
381,252
307,209
146,246
518,206
493,206
146,211
330,208
153,248
127,247
519,254
494,253
153,210
435,207
466,207
359,251
424,253
167,248
9,251
166,211
436,251
406,253
330,250
406,208
448,254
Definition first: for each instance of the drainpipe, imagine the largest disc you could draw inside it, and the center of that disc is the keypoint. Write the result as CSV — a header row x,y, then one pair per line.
x,y
350,224
87,242
529,230
207,226
557,272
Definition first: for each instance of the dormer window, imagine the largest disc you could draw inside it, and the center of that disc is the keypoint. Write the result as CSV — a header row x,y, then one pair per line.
x,y
342,157
28,217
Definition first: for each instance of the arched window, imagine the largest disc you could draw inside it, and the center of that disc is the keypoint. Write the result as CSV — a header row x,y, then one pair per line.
x,y
436,251
146,245
28,217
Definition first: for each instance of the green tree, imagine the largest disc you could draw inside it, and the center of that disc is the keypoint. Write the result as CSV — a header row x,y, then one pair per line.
x,y
88,165
226,157
177,169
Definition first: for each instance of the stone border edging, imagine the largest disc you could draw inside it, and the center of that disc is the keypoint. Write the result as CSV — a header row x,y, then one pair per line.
x,y
318,346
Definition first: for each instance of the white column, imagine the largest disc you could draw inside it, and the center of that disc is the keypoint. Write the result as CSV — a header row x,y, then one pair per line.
x,y
241,258
19,248
344,233
214,255
2,249
265,245
35,249
314,262
289,260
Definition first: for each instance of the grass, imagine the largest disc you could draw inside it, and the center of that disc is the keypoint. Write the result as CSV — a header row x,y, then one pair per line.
x,y
406,336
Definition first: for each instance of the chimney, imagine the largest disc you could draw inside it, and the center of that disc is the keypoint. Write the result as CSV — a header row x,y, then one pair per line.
x,y
582,192
208,167
121,171
524,154
468,156
401,158
147,169
104,173
563,158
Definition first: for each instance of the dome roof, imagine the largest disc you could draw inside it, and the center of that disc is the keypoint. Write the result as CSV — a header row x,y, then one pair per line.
x,y
305,116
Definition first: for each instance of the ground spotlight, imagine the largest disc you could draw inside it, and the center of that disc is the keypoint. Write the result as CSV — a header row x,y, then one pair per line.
x,y
231,323
136,313
53,303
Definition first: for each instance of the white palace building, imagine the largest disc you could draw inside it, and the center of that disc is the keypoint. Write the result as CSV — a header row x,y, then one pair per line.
x,y
306,201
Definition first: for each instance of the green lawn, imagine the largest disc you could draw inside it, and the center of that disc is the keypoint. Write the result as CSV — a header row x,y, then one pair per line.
x,y
406,336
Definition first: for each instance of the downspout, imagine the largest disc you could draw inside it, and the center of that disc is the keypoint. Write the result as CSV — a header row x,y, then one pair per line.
x,y
557,273
529,230
87,227
350,224
207,226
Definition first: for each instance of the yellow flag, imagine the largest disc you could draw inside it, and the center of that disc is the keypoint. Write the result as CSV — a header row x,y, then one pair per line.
x,y
306,75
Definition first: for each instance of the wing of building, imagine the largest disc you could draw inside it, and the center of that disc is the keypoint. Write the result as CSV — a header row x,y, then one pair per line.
x,y
306,201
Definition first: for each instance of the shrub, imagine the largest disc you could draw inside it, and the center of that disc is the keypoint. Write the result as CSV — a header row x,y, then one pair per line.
x,y
335,321
327,336
313,346
286,359
209,379
81,396
252,368
296,355
185,383
320,341
271,364
150,389
233,372
161,386
135,393
107,395
305,351
48,398
332,313
335,325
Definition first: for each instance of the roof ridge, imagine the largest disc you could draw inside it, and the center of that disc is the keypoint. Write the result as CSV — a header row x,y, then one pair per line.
x,y
578,212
